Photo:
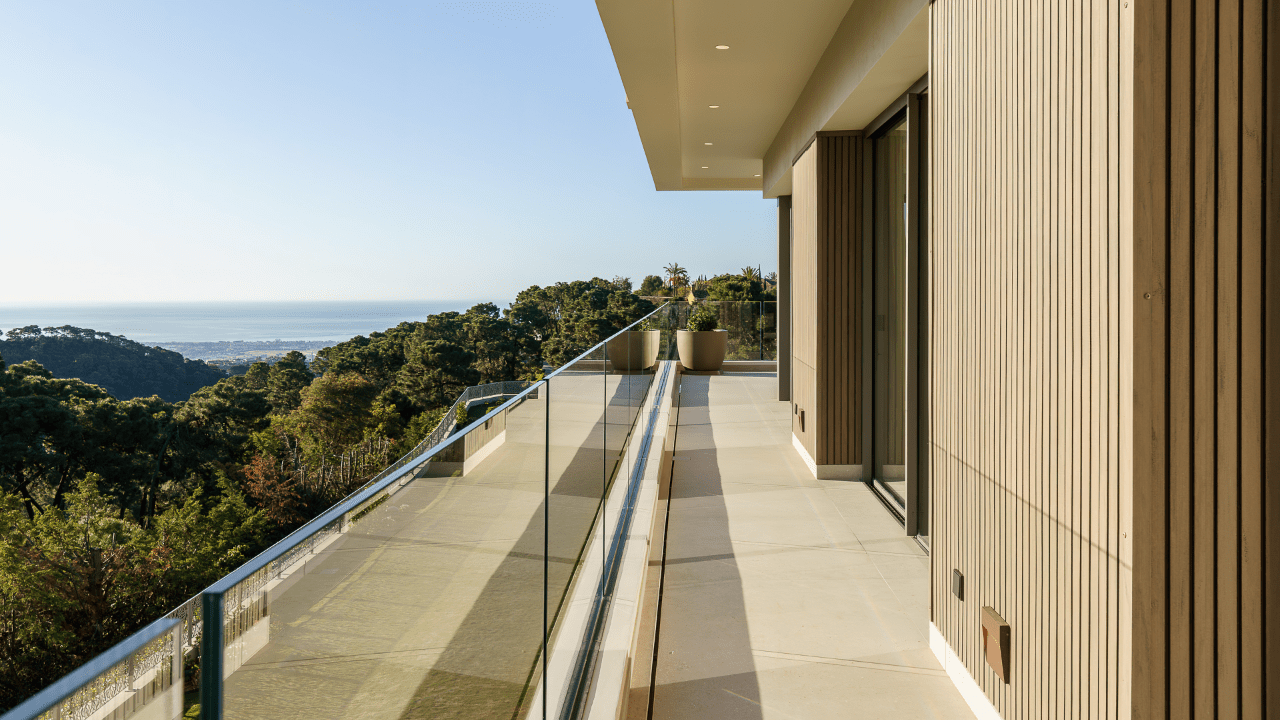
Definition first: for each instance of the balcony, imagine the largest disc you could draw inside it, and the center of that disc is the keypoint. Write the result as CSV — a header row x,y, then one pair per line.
x,y
619,537
783,596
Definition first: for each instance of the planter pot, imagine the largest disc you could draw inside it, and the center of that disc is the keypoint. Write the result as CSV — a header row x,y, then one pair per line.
x,y
702,350
634,349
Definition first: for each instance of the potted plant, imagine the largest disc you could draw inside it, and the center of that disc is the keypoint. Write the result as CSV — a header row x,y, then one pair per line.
x,y
635,349
703,345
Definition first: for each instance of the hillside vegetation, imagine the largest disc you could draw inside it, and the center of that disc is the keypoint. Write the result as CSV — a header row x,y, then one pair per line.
x,y
120,366
115,509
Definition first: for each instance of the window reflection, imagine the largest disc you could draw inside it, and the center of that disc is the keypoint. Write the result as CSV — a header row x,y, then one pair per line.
x,y
890,237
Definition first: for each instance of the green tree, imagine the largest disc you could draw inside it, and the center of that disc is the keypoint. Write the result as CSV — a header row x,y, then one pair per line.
x,y
42,433
677,276
122,367
75,582
651,285
498,344
256,377
735,288
437,372
285,382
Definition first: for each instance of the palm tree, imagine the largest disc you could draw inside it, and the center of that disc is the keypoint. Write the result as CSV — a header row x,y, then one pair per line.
x,y
751,273
676,274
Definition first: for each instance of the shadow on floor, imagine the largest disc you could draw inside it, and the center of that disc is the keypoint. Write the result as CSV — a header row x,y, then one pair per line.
x,y
486,669
705,666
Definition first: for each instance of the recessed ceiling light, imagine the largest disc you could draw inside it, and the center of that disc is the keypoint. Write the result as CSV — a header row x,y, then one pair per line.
x,y
722,47
713,107
757,176
706,143
704,167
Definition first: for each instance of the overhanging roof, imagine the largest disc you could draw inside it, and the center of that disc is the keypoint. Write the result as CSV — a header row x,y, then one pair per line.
x,y
791,69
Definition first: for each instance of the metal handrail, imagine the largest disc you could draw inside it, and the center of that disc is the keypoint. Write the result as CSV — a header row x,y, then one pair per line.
x,y
743,331
269,563
200,617
476,392
102,678
385,478
189,614
445,427
602,343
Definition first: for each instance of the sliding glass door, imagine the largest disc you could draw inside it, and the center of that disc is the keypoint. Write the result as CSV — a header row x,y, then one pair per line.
x,y
889,223
898,300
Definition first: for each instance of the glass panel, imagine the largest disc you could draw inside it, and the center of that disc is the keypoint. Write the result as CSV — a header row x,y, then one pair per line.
x,y
744,339
752,327
890,222
425,600
769,330
427,592
594,404
667,321
578,463
143,674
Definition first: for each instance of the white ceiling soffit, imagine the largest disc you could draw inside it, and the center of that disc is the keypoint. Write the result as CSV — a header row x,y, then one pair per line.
x,y
672,72
880,50
783,70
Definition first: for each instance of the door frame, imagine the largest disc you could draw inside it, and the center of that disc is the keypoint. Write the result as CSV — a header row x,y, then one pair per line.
x,y
911,511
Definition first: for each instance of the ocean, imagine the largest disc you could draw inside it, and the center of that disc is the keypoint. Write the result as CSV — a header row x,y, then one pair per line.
x,y
160,323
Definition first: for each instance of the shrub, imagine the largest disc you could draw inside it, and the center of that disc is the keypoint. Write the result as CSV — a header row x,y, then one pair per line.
x,y
705,317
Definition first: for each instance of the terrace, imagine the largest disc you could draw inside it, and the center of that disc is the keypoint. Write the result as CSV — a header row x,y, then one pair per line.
x,y
784,596
609,542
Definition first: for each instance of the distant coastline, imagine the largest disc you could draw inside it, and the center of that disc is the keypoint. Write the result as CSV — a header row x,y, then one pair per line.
x,y
226,353
230,330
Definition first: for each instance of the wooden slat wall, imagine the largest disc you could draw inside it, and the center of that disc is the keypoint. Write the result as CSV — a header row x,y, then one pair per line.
x,y
1102,250
839,311
804,295
1203,263
1025,345
826,296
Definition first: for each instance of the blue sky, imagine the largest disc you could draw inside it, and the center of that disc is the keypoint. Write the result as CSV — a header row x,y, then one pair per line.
x,y
169,151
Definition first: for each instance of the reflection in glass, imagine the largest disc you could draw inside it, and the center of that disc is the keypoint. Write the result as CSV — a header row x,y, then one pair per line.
x,y
752,326
890,236
432,595
424,601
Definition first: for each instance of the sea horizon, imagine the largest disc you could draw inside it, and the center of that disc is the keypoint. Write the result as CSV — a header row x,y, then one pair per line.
x,y
156,323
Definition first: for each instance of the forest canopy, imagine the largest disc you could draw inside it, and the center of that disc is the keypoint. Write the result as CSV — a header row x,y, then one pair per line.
x,y
115,507
122,367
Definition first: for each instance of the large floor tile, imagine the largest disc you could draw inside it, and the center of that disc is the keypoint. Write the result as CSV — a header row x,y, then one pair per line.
x,y
785,596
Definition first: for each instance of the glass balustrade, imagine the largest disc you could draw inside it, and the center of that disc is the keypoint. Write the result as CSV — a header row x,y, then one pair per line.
x,y
752,326
142,674
437,590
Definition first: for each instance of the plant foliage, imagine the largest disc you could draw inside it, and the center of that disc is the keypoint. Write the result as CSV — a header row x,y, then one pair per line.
x,y
115,508
705,316
122,367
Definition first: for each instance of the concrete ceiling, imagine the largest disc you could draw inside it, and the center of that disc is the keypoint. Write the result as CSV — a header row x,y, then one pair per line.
x,y
672,72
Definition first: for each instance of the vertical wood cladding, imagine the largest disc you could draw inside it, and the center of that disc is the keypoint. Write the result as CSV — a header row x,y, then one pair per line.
x,y
1025,359
1204,554
827,297
1101,255
804,296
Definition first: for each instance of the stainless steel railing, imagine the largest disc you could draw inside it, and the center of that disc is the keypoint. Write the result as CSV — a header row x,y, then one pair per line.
x,y
149,663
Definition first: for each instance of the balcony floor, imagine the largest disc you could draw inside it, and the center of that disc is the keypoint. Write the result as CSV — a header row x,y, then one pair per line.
x,y
784,596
